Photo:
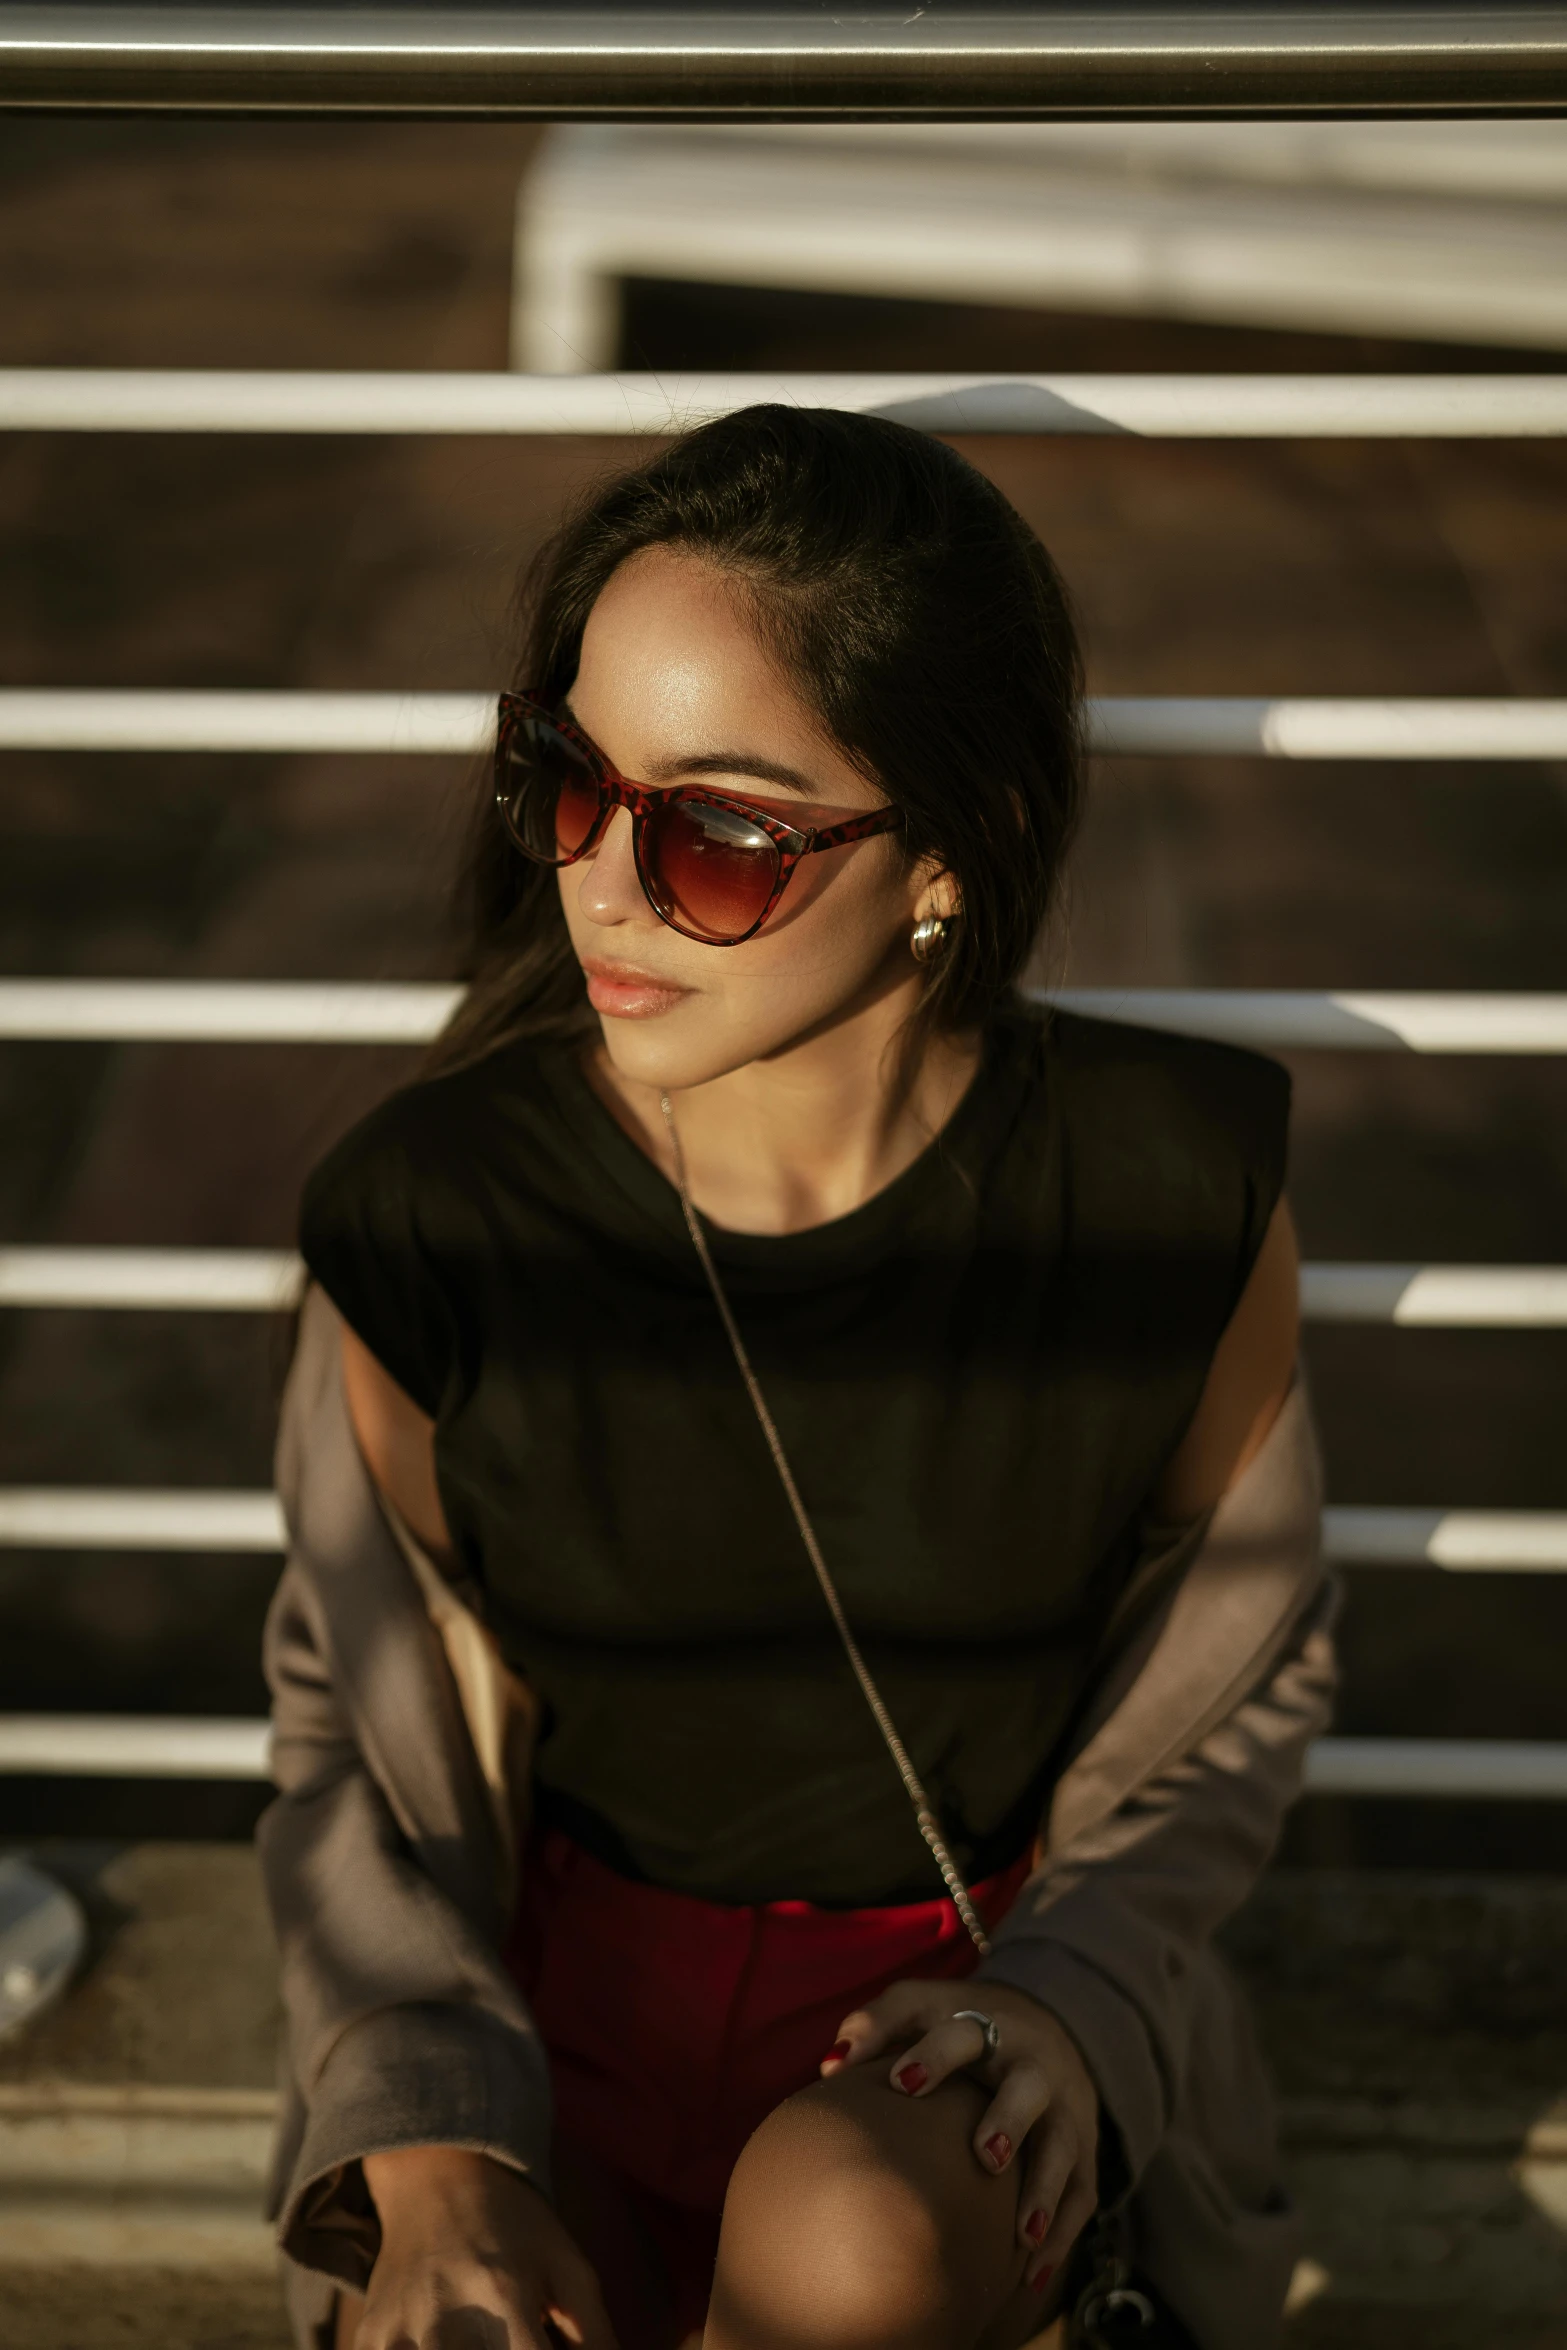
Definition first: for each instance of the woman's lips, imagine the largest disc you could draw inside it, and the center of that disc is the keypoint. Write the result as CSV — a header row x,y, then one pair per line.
x,y
626,994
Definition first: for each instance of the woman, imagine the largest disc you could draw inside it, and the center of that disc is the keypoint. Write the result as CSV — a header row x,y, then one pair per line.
x,y
816,1441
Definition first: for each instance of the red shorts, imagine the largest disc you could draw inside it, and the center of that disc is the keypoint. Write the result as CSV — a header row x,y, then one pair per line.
x,y
674,2026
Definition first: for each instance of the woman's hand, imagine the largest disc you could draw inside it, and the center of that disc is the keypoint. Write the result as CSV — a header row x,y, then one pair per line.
x,y
1045,2108
472,2258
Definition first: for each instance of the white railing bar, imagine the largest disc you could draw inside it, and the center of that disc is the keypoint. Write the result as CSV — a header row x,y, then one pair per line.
x,y
1480,1297
1516,1769
1248,407
130,1517
408,1012
393,725
84,1517
245,719
237,1011
134,1746
137,1746
1306,727
1369,1020
1462,1542
266,1281
160,1280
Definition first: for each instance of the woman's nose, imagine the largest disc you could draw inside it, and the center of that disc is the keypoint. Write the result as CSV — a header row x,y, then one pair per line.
x,y
609,891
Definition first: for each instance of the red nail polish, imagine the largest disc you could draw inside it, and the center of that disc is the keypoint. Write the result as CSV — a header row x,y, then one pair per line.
x,y
1037,2226
999,2148
912,2079
837,2052
1044,2276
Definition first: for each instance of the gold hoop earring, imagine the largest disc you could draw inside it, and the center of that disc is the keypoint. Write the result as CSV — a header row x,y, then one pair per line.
x,y
930,938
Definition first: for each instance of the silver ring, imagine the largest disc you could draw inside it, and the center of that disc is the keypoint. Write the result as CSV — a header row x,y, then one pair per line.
x,y
987,2024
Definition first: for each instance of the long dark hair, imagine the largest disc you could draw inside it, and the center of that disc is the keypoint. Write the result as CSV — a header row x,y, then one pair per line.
x,y
918,616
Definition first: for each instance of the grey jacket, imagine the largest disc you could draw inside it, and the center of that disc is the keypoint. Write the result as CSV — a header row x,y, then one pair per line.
x,y
400,1753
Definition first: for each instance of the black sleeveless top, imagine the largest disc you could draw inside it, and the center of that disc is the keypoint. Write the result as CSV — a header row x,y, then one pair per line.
x,y
977,1376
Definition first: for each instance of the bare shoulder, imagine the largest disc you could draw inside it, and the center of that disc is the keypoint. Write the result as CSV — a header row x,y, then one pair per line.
x,y
1250,1376
397,1440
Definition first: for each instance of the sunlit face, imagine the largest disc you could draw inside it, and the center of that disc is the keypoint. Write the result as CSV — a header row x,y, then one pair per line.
x,y
674,686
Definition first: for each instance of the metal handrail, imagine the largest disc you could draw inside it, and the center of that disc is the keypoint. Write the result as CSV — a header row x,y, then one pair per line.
x,y
413,1012
236,1522
403,725
788,60
269,1281
1170,407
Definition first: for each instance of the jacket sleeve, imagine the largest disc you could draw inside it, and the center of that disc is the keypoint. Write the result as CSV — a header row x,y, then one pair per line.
x,y
403,2026
1110,1929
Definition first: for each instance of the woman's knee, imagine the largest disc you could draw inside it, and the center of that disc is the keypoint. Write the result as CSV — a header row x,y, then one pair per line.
x,y
857,2218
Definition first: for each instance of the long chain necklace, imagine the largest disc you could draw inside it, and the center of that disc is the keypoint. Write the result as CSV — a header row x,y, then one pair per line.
x,y
925,1817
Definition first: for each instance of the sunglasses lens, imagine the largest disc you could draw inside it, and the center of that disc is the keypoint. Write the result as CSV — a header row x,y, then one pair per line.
x,y
548,791
712,869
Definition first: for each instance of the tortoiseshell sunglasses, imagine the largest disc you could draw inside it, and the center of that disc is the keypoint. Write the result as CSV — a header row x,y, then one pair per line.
x,y
712,865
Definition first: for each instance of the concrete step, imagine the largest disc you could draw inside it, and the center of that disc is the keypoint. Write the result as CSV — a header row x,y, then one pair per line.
x,y
56,2308
114,2176
1418,2029
153,2309
1417,2207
